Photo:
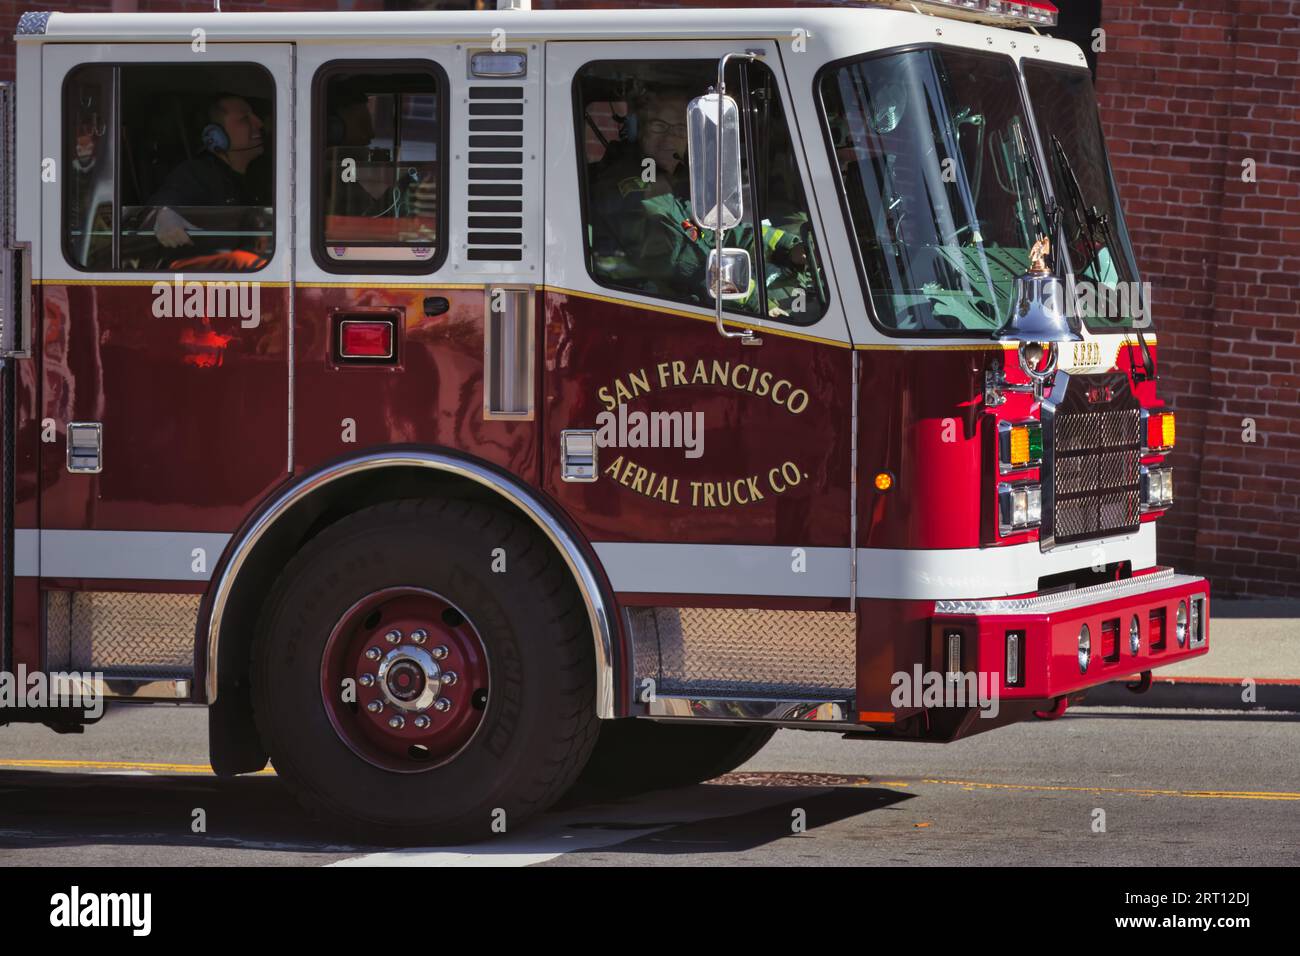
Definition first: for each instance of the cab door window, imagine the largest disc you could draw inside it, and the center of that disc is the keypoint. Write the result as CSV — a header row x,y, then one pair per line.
x,y
168,167
639,233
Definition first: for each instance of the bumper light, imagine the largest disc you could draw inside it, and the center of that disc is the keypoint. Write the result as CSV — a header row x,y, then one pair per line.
x,y
1020,507
1157,488
1197,621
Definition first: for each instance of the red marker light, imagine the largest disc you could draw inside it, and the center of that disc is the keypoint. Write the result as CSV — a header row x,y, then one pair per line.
x,y
366,340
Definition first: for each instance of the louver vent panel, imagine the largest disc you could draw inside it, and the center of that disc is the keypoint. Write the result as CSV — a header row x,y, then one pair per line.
x,y
495,168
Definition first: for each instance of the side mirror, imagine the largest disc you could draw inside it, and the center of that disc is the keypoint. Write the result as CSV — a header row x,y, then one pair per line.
x,y
733,267
702,154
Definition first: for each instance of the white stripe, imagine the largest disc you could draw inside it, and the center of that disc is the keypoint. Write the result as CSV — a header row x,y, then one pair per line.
x,y
126,555
749,570
991,572
725,569
892,573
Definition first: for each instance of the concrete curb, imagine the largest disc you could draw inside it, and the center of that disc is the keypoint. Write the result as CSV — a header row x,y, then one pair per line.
x,y
1198,693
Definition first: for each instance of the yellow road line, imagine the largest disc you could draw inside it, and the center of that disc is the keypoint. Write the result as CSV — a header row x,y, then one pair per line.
x,y
1132,791
110,765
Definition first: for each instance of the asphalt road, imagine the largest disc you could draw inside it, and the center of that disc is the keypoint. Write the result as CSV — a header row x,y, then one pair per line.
x,y
1099,787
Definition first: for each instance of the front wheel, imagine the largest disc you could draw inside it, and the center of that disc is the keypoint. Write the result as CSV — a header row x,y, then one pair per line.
x,y
424,671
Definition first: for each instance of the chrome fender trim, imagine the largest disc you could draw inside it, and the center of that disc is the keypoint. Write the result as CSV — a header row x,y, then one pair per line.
x,y
514,492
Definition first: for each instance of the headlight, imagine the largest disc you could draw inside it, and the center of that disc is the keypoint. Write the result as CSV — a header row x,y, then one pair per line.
x,y
1157,488
1180,624
1134,635
1085,648
1020,507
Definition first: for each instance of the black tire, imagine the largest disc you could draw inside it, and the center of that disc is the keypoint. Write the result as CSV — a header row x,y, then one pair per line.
x,y
635,755
538,725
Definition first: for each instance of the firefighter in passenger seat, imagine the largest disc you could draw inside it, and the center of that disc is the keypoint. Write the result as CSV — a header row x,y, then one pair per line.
x,y
232,139
641,207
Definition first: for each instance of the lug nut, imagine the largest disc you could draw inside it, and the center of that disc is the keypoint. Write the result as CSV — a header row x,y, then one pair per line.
x,y
375,706
449,677
442,705
422,722
367,680
393,636
396,722
372,653
420,635
439,652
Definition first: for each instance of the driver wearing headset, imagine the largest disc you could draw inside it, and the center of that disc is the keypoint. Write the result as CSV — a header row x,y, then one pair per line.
x,y
232,139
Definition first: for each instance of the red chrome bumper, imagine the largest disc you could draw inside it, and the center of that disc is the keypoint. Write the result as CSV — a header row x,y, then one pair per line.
x,y
1048,628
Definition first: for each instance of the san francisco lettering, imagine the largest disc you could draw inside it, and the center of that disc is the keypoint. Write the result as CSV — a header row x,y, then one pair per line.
x,y
739,376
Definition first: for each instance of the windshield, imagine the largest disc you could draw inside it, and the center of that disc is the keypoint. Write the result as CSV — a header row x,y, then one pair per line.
x,y
1097,244
933,153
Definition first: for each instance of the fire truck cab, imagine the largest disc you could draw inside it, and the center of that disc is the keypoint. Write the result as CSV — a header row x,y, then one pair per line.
x,y
364,381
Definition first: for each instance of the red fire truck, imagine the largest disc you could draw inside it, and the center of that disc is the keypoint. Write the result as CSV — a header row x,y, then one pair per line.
x,y
462,405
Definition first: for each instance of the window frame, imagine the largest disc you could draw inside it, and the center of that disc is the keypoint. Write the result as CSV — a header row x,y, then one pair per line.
x,y
116,116
319,121
584,189
842,195
1122,235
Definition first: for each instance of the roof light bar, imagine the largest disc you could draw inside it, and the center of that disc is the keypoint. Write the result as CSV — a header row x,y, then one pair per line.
x,y
1002,13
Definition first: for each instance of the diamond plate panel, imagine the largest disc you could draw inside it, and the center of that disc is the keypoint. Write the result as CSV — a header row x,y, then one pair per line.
x,y
58,630
125,633
1065,600
745,651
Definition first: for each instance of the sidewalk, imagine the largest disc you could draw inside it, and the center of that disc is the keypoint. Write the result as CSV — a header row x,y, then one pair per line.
x,y
1259,640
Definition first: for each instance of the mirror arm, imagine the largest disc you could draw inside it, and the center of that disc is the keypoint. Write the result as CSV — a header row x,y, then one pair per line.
x,y
749,55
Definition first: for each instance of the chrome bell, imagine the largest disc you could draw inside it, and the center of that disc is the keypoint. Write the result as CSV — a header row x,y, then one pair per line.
x,y
1039,304
1040,322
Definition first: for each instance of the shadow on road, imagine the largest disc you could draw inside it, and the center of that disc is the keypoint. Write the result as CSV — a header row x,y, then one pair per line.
x,y
48,810
43,809
718,831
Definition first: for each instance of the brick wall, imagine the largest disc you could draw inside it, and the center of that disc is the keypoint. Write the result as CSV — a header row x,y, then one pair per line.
x,y
1189,90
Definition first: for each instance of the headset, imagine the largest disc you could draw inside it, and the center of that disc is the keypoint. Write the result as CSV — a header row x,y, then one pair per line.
x,y
216,139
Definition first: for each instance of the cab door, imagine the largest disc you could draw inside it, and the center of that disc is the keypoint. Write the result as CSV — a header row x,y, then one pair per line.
x,y
164,365
752,511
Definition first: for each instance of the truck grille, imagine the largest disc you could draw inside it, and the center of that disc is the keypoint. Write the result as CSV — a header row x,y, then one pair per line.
x,y
1095,462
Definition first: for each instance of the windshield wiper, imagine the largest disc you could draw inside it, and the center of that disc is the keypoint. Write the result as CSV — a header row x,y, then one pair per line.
x,y
1096,228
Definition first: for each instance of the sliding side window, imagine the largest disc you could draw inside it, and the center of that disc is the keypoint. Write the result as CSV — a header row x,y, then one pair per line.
x,y
168,167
